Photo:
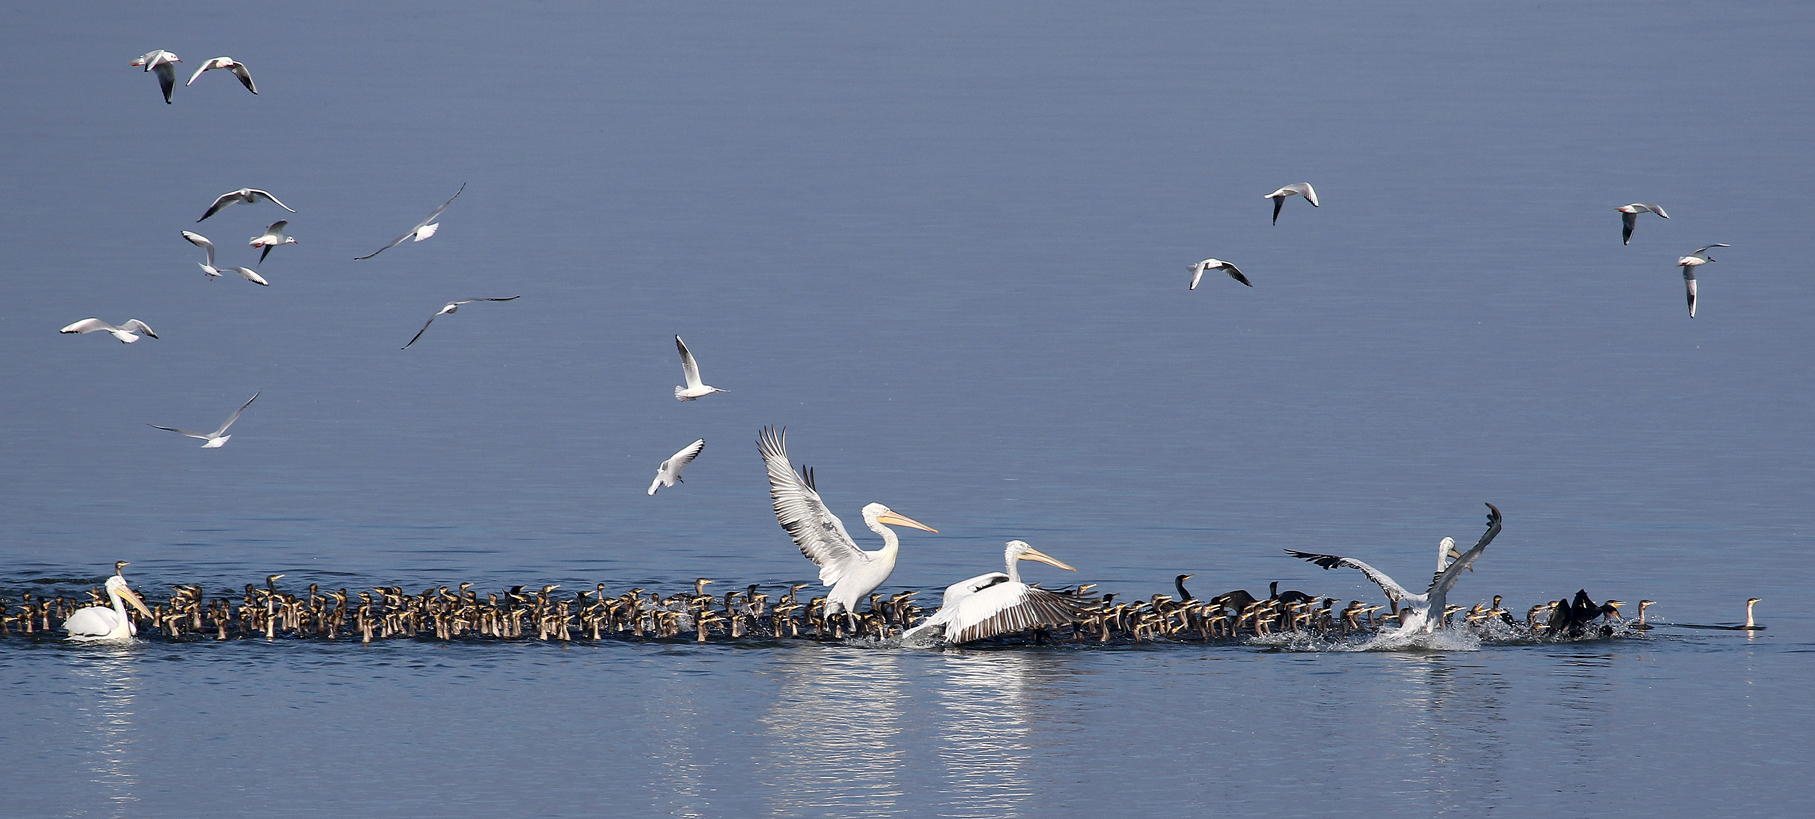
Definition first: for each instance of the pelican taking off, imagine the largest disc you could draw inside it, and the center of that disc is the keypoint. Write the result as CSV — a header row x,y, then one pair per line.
x,y
217,438
422,230
996,603
1279,197
1629,216
669,473
851,572
103,623
127,333
690,370
1198,270
1689,263
1424,612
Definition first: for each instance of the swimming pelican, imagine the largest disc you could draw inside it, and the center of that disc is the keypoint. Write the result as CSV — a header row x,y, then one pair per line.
x,y
1279,197
217,438
690,370
851,572
272,237
161,61
423,229
102,623
1425,611
243,195
238,68
669,473
1689,263
127,333
1197,272
996,603
451,307
1629,214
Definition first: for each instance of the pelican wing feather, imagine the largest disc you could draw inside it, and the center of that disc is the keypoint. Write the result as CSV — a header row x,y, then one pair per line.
x,y
820,535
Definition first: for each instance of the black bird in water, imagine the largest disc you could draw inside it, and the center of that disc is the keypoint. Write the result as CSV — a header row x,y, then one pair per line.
x,y
1286,598
1184,596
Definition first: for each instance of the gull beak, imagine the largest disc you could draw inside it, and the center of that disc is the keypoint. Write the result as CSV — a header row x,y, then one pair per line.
x,y
1036,554
133,598
896,519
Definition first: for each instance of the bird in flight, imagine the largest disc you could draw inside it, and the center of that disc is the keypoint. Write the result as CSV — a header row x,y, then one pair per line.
x,y
452,307
1279,197
127,333
1198,270
422,230
669,473
246,195
690,370
1689,263
162,62
1629,215
217,438
238,68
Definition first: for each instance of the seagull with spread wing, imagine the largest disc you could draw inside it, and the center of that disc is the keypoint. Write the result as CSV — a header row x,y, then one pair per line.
x,y
1689,263
1303,189
669,473
242,196
238,68
422,230
451,307
217,438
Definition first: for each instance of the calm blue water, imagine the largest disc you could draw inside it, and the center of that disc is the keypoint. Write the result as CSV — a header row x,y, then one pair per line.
x,y
946,246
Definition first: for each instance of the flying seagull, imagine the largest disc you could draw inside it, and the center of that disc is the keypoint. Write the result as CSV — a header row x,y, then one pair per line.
x,y
1629,214
273,236
1198,270
127,333
202,242
422,230
691,370
452,307
1689,263
238,68
669,473
217,438
246,195
161,61
1279,197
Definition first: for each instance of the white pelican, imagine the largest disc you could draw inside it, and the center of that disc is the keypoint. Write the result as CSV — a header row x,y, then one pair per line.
x,y
126,333
1689,263
246,195
272,237
1423,612
851,572
1198,270
238,68
690,370
217,438
206,244
161,61
103,623
451,307
1279,197
1629,215
422,230
996,603
669,473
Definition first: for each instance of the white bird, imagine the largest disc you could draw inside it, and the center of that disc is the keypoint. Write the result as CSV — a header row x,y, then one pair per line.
x,y
161,61
219,437
1198,270
96,623
1423,612
452,306
690,370
851,572
127,333
669,473
1629,214
995,603
422,230
243,195
1279,197
204,243
1689,263
238,68
272,237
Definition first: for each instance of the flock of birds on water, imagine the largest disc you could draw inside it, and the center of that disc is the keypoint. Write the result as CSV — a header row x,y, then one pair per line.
x,y
997,606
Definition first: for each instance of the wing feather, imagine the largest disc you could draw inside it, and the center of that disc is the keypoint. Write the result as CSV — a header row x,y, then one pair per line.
x,y
820,535
1380,578
1006,608
689,368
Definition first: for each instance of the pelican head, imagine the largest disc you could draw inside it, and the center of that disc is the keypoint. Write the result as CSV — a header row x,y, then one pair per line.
x,y
116,587
877,513
1019,550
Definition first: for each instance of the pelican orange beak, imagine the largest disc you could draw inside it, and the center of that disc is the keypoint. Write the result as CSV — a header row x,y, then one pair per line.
x,y
133,598
1036,554
896,519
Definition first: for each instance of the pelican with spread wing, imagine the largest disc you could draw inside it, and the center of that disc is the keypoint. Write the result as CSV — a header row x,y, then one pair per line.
x,y
1419,612
851,572
995,603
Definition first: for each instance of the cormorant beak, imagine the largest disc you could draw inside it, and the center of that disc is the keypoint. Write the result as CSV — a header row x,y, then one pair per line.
x,y
1036,554
133,598
896,519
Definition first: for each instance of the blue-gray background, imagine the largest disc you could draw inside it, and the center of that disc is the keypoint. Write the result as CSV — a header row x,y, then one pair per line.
x,y
946,246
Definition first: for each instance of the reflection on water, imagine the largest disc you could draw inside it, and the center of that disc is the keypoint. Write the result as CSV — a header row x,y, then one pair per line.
x,y
1454,730
984,743
103,702
835,733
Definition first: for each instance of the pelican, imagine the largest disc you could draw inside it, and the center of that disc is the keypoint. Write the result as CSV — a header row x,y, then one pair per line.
x,y
690,370
217,438
1629,214
162,62
669,473
1279,197
1198,270
238,68
996,603
1689,263
127,333
422,230
272,237
451,307
1424,612
246,195
102,623
851,572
